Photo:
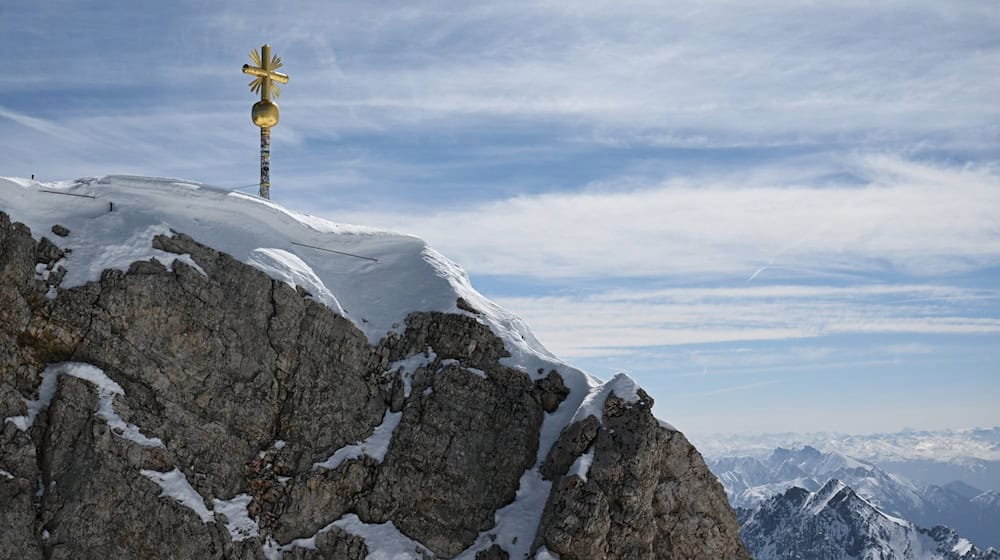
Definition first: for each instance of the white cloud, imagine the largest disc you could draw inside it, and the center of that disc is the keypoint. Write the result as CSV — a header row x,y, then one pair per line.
x,y
611,323
913,218
685,73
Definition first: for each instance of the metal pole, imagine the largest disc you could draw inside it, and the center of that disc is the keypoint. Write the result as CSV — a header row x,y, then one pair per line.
x,y
265,162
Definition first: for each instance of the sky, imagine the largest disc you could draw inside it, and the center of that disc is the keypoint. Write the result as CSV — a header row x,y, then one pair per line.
x,y
777,216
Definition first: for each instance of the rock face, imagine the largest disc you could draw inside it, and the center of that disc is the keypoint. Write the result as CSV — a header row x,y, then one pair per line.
x,y
224,425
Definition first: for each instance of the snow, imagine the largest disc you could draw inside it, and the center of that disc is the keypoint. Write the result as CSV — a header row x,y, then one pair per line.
x,y
6,475
282,265
173,484
667,425
238,521
374,446
962,547
623,387
407,276
384,541
106,391
951,446
407,367
817,501
516,523
581,466
545,554
46,390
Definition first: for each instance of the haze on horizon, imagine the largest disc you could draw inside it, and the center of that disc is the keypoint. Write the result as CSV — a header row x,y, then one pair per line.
x,y
778,217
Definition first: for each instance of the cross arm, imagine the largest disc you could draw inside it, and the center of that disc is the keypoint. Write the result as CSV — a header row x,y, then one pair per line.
x,y
261,73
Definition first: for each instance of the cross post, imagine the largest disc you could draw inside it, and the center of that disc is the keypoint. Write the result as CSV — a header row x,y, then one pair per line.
x,y
265,112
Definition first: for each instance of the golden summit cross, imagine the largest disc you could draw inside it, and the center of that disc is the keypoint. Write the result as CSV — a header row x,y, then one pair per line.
x,y
265,112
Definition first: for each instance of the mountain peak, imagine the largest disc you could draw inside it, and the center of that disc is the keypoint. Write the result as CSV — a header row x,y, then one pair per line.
x,y
240,380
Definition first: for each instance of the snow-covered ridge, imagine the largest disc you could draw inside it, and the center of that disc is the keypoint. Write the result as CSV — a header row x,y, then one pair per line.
x,y
112,222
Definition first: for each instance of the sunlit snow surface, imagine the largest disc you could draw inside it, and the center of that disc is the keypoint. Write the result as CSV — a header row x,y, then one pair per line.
x,y
113,221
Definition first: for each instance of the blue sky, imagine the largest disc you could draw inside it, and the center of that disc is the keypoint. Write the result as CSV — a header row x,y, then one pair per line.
x,y
778,216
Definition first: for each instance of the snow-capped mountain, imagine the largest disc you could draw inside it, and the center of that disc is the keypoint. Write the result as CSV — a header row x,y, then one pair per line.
x,y
936,457
836,523
907,445
190,372
749,481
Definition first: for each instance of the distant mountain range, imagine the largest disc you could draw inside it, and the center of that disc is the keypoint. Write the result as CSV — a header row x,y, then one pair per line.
x,y
834,522
769,490
936,457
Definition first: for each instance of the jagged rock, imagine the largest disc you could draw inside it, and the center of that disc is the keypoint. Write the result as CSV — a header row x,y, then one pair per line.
x,y
456,434
47,252
647,494
551,390
248,383
466,306
324,495
573,441
59,230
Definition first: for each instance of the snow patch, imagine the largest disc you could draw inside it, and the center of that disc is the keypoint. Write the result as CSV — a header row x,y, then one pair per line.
x,y
623,387
384,540
292,270
173,484
171,259
962,547
476,371
374,446
6,475
46,390
238,521
106,391
581,466
667,425
517,522
409,366
545,554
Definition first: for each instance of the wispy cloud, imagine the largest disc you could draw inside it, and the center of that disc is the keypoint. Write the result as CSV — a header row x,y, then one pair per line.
x,y
906,217
609,323
728,389
904,75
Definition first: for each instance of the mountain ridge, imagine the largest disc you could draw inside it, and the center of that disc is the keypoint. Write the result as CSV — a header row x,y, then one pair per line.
x,y
244,409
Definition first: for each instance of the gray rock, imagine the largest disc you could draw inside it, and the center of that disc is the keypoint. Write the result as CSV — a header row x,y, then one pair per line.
x,y
249,382
573,441
470,440
551,390
648,494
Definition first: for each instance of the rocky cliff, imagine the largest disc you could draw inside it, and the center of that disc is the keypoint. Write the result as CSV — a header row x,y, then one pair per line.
x,y
197,407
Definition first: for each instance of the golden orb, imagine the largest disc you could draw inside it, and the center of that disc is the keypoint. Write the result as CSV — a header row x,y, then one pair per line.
x,y
265,113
